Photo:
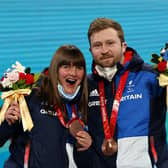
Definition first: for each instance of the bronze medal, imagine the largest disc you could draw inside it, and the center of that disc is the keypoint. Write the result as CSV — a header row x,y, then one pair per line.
x,y
74,127
109,147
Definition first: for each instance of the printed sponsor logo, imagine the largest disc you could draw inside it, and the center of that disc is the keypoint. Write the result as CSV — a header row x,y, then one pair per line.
x,y
48,112
132,97
129,97
94,93
94,103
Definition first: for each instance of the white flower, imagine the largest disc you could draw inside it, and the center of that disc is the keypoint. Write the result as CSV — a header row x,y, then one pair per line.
x,y
6,83
10,85
18,67
8,70
162,50
13,76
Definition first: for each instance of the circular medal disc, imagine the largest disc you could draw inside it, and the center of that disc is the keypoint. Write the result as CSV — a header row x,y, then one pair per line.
x,y
109,147
75,127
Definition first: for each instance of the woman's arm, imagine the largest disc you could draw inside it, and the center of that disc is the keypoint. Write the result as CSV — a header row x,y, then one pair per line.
x,y
11,124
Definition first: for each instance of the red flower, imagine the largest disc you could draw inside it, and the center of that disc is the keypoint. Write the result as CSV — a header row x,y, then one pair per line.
x,y
2,78
46,72
22,76
29,79
162,66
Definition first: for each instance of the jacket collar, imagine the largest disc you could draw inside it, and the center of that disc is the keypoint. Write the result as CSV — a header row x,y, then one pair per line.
x,y
133,65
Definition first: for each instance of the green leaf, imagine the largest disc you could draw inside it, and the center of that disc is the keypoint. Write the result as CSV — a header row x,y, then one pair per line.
x,y
155,58
23,86
20,82
15,86
36,77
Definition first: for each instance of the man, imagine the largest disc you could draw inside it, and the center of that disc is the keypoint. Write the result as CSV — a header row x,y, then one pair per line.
x,y
127,109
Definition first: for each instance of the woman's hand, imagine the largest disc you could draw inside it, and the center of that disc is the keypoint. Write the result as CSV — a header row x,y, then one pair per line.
x,y
12,115
84,140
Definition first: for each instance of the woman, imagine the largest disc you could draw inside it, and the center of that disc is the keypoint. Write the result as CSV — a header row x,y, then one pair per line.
x,y
58,103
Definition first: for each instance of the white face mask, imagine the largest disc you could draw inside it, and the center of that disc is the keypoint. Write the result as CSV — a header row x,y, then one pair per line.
x,y
107,73
66,95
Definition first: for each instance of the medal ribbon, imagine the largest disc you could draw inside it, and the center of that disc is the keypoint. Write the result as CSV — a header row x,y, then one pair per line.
x,y
61,117
26,156
110,129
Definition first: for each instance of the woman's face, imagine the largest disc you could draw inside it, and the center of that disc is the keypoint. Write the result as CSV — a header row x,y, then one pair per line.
x,y
70,77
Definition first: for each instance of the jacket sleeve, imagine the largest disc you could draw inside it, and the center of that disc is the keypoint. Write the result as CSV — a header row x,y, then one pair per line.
x,y
11,131
158,128
84,159
7,132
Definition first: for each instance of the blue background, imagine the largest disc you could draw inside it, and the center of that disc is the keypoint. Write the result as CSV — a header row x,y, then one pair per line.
x,y
32,30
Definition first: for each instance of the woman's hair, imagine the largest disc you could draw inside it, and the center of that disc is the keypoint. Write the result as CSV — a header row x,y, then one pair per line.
x,y
103,23
48,91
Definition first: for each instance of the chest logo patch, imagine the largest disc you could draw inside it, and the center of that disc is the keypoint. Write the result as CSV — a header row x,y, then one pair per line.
x,y
94,93
130,86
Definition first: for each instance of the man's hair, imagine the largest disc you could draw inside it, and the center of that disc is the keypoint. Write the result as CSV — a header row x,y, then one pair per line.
x,y
103,23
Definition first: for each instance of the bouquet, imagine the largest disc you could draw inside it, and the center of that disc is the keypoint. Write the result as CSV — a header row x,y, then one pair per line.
x,y
16,83
161,66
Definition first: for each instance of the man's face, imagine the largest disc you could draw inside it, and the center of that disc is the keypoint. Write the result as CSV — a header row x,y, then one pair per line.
x,y
106,47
